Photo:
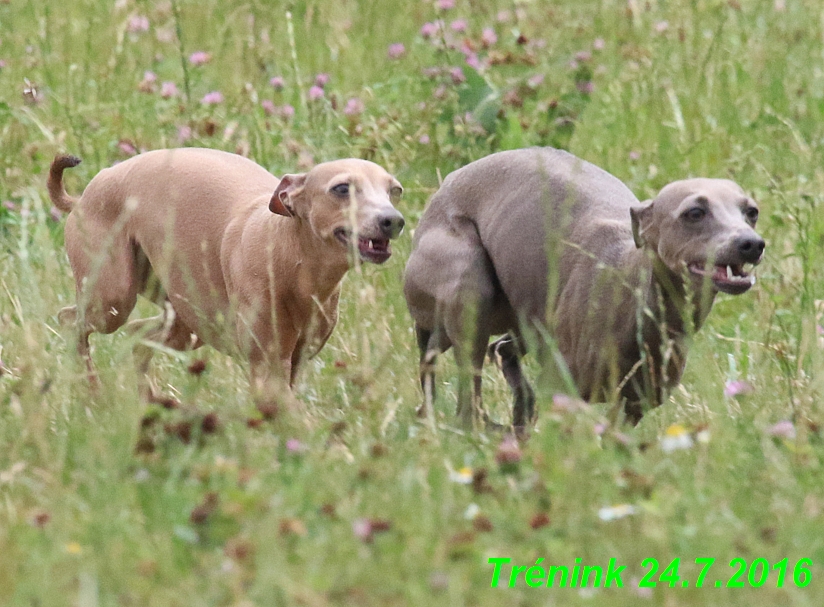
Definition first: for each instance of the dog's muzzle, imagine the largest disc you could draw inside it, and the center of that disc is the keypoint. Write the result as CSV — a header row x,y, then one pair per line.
x,y
727,278
391,223
732,267
375,248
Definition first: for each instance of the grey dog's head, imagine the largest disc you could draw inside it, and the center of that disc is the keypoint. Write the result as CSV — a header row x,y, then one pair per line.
x,y
706,227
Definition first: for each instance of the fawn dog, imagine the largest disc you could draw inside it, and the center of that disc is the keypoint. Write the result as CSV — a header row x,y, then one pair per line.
x,y
237,258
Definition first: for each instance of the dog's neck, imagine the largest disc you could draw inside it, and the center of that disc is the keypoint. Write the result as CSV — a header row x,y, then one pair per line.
x,y
672,313
671,301
324,271
319,273
674,301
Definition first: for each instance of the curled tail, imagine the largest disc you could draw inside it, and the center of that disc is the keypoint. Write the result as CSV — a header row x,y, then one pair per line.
x,y
57,192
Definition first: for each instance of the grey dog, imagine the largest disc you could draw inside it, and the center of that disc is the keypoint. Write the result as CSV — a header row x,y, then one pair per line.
x,y
538,242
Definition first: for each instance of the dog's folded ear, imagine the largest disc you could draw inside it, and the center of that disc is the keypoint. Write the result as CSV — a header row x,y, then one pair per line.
x,y
289,187
641,218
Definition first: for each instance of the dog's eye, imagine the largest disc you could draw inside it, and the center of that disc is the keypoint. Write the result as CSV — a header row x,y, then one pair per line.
x,y
342,189
395,192
751,213
695,214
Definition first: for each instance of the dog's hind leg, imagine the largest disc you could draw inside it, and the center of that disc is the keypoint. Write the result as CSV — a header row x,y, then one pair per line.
x,y
106,289
507,355
430,344
633,412
469,357
68,316
167,330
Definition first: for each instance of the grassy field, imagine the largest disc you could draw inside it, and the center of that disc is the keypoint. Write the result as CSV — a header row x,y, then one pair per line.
x,y
104,501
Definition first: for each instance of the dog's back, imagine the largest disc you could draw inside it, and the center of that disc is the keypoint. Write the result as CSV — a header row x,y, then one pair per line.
x,y
168,210
519,239
512,197
202,187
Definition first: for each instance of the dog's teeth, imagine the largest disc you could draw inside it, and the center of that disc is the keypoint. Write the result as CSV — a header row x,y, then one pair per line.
x,y
729,272
371,244
752,279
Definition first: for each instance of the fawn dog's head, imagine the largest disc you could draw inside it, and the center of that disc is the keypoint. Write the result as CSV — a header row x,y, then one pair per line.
x,y
349,201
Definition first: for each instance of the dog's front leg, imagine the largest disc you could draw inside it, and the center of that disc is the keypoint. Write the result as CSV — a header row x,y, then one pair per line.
x,y
271,374
268,346
271,391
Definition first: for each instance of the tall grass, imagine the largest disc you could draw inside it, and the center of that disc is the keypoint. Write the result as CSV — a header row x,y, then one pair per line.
x,y
106,502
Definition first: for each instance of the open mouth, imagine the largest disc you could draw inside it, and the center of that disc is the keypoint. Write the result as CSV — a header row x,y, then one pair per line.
x,y
729,278
373,250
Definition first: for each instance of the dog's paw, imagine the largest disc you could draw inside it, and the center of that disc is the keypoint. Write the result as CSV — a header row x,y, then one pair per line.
x,y
67,316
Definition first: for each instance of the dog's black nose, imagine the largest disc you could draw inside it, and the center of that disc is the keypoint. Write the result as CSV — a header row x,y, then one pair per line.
x,y
750,247
391,223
